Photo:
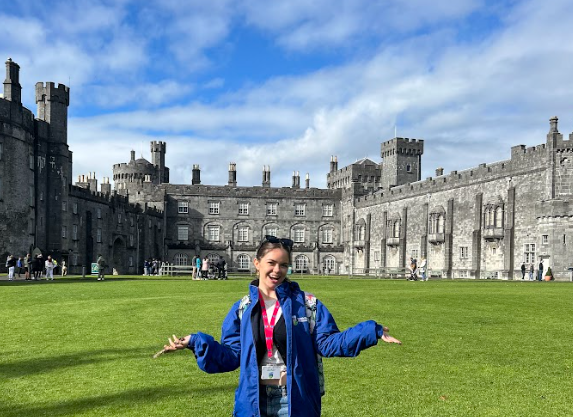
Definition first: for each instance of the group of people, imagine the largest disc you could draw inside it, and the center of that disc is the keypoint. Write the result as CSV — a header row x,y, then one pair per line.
x,y
33,267
539,276
418,271
152,267
206,269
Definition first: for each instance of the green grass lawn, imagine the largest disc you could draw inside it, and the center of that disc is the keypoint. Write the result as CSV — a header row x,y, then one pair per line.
x,y
78,347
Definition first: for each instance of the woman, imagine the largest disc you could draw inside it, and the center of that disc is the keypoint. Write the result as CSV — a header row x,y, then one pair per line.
x,y
205,268
279,373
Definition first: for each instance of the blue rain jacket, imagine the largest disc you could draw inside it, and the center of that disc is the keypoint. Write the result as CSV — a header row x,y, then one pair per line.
x,y
237,349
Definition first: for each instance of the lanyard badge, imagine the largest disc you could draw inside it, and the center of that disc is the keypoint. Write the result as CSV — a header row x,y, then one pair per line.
x,y
268,326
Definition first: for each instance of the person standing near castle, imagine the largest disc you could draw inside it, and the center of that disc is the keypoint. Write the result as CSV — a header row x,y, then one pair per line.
x,y
198,267
523,270
273,339
540,271
205,268
27,266
49,265
422,268
531,270
101,265
11,265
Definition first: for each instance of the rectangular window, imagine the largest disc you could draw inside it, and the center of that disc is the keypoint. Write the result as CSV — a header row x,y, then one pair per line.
x,y
64,206
272,209
376,256
131,261
75,208
182,232
327,210
119,218
183,207
214,207
98,212
327,236
64,232
299,209
98,236
299,235
31,161
243,234
31,196
529,253
213,233
464,252
414,253
75,232
544,239
131,240
244,208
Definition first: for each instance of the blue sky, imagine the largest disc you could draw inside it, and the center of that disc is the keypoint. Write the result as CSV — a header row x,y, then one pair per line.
x,y
290,83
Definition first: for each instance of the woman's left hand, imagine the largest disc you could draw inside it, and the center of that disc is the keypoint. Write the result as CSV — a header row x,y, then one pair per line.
x,y
387,338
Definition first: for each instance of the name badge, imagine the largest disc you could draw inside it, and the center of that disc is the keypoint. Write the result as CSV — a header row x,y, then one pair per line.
x,y
271,372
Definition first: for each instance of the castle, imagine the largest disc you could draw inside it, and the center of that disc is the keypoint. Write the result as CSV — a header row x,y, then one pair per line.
x,y
483,222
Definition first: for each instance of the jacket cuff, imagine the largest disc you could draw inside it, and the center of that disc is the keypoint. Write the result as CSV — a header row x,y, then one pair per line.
x,y
379,331
191,344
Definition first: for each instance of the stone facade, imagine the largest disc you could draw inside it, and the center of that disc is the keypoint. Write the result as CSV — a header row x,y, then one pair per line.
x,y
40,209
483,222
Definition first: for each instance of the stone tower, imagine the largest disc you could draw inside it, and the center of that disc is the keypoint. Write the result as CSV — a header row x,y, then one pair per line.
x,y
53,182
158,160
402,160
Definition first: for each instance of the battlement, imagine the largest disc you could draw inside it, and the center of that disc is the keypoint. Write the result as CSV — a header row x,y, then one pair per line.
x,y
158,146
49,92
402,146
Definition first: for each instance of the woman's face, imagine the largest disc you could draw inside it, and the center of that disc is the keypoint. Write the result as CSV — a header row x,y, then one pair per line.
x,y
272,268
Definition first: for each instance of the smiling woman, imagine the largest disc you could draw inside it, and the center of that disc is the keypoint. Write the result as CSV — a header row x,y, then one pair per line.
x,y
280,373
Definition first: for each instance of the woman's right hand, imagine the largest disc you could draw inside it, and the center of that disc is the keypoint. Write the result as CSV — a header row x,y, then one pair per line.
x,y
175,343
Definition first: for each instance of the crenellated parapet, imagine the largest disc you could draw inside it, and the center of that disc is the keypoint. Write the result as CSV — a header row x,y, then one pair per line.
x,y
50,92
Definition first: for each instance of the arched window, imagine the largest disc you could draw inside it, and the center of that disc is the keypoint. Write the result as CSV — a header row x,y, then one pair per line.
x,y
301,263
329,263
243,261
213,258
181,259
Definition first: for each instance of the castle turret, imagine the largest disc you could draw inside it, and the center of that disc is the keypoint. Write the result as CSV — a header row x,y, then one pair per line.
x,y
53,105
158,160
12,87
266,176
196,175
232,174
402,161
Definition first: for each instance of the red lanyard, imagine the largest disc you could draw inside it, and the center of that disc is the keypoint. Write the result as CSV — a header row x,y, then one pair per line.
x,y
269,326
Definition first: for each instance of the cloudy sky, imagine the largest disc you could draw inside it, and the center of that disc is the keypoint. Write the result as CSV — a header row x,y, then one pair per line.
x,y
290,83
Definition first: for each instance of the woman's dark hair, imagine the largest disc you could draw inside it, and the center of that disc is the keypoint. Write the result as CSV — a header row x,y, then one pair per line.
x,y
271,243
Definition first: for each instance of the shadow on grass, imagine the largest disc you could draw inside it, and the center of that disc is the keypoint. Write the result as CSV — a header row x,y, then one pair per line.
x,y
121,400
27,367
